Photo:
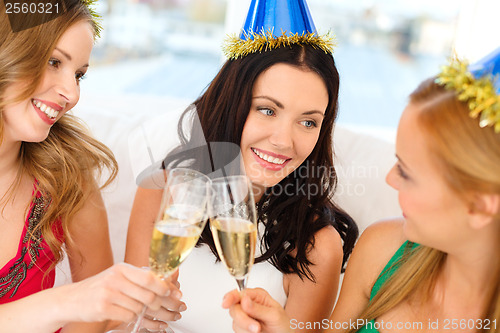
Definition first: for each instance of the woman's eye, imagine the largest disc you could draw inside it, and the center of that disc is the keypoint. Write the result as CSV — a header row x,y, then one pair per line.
x,y
80,76
266,112
309,123
54,62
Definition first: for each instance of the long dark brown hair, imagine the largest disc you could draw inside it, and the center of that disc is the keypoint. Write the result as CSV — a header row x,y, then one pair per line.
x,y
291,221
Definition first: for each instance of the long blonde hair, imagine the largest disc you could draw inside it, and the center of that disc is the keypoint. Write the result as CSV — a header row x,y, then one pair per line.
x,y
470,159
67,163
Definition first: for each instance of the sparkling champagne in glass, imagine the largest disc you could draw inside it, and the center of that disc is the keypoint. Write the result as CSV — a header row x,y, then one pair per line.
x,y
180,221
233,224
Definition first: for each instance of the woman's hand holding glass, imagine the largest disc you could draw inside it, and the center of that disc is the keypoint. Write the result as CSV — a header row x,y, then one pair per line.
x,y
233,223
170,309
255,311
181,220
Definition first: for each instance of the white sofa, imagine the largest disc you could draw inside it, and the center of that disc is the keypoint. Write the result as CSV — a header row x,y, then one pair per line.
x,y
129,124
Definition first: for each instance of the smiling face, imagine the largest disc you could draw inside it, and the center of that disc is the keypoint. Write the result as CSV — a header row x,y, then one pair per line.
x,y
434,215
58,92
284,122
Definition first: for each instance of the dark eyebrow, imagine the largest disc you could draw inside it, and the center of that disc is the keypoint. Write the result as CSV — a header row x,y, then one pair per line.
x,y
314,112
64,54
68,56
279,105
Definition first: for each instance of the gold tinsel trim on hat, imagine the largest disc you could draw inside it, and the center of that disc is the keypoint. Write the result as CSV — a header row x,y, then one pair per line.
x,y
96,18
479,94
234,47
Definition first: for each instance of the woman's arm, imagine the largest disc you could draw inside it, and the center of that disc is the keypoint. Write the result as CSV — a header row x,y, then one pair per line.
x,y
118,293
90,252
309,303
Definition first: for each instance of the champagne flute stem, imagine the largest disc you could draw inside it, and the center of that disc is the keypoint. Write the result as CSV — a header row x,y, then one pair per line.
x,y
242,283
138,322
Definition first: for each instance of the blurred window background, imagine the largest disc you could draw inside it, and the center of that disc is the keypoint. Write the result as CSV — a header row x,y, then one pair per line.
x,y
172,48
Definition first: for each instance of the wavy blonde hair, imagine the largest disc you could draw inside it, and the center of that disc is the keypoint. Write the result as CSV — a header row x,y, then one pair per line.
x,y
67,163
470,159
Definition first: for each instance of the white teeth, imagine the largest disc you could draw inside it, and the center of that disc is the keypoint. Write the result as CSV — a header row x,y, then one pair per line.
x,y
50,112
269,159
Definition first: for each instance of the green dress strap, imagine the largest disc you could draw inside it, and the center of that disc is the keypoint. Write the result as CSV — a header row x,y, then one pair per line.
x,y
389,269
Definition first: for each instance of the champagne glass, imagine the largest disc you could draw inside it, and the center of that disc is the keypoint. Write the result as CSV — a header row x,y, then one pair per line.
x,y
233,223
180,221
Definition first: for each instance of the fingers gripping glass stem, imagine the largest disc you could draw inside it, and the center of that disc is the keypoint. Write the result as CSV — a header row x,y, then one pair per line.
x,y
181,219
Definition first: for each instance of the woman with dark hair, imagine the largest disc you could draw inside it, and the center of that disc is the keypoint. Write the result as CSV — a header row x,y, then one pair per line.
x,y
278,106
437,268
235,103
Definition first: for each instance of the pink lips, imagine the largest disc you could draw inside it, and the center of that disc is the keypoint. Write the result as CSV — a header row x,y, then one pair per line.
x,y
42,114
55,106
268,165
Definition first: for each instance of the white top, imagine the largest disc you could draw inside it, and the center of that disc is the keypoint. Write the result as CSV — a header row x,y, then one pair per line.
x,y
205,282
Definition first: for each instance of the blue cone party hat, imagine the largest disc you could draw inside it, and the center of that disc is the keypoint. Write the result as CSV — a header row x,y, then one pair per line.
x,y
288,15
489,65
477,84
274,23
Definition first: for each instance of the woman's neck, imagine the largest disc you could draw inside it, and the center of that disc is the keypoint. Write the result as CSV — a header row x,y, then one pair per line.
x,y
9,163
466,278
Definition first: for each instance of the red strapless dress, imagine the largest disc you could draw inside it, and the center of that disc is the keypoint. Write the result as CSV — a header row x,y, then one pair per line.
x,y
30,270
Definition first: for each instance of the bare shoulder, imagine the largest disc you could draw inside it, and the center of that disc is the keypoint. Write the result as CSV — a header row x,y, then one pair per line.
x,y
374,249
93,208
312,301
382,238
327,245
89,252
326,254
